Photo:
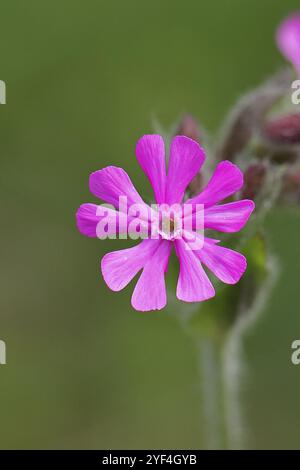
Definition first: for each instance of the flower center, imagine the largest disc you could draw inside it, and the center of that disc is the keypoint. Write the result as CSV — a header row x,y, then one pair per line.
x,y
169,228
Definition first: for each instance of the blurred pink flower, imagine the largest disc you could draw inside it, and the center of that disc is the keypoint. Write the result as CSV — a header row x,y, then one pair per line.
x,y
288,39
152,255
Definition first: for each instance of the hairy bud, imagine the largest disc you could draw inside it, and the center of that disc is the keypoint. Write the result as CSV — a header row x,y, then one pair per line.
x,y
248,115
254,178
283,130
189,127
291,185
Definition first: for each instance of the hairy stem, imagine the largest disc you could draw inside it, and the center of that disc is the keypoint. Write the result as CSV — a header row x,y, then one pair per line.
x,y
210,364
220,369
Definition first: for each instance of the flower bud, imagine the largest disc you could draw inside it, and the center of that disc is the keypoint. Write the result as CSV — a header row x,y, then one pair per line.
x,y
189,127
291,185
288,39
254,178
283,130
247,117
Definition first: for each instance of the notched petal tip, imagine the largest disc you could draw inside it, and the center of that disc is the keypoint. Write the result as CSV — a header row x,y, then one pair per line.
x,y
195,299
226,180
240,269
230,217
112,182
105,271
140,307
251,205
191,145
230,165
86,220
109,271
95,178
226,264
149,139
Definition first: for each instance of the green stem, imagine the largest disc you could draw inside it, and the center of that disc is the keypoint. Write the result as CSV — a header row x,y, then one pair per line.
x,y
210,362
233,368
220,368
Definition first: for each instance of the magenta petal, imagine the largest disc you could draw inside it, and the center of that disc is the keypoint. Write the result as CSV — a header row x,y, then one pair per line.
x,y
227,265
288,39
193,284
226,180
228,217
88,217
87,220
112,182
186,159
150,152
150,290
119,267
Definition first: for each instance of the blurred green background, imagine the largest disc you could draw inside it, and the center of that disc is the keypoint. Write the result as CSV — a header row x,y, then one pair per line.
x,y
84,80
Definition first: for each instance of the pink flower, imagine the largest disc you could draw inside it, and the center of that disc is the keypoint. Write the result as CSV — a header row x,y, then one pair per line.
x,y
151,256
288,39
